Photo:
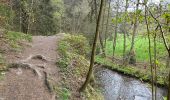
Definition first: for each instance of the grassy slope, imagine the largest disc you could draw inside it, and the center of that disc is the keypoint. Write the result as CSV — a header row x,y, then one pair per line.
x,y
12,40
141,48
74,67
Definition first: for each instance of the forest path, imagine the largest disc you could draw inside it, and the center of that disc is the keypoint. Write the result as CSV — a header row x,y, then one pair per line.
x,y
31,71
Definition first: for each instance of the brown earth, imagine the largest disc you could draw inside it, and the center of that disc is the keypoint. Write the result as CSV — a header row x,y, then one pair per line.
x,y
31,71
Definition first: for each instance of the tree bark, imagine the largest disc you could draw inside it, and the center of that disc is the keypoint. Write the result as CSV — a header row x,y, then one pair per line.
x,y
135,27
125,32
155,66
93,49
150,55
132,52
107,22
101,31
116,24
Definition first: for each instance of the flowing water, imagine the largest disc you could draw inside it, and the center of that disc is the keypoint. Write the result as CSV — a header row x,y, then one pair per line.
x,y
116,86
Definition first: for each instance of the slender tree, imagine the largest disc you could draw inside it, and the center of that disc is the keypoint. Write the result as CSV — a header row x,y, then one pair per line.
x,y
30,16
116,24
102,30
125,32
166,46
155,64
150,55
132,53
107,22
93,49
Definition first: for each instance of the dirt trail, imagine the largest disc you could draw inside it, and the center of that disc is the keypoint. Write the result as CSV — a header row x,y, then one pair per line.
x,y
31,70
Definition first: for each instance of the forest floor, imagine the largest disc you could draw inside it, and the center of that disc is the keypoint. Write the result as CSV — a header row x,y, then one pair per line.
x,y
31,70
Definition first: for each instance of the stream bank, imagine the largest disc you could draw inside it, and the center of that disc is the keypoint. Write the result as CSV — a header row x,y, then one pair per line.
x,y
116,86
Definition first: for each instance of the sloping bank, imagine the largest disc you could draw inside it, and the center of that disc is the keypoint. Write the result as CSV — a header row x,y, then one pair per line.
x,y
11,41
132,71
73,64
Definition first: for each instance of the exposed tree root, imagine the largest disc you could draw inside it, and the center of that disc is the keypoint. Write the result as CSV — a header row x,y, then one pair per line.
x,y
40,57
47,82
26,66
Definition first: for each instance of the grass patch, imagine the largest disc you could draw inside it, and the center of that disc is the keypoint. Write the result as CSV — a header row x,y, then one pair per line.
x,y
141,47
14,37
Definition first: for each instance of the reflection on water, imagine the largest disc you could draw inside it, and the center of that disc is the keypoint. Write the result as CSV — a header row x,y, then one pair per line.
x,y
118,87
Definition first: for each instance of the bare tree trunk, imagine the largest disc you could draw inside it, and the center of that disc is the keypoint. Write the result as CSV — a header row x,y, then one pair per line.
x,y
150,55
116,24
166,46
20,19
125,32
30,16
155,66
132,52
101,32
168,97
106,31
11,10
93,49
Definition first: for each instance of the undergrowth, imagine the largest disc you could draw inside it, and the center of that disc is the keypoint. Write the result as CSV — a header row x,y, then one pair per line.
x,y
73,63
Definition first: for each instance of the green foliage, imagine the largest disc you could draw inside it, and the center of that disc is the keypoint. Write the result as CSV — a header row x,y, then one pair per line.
x,y
14,37
165,98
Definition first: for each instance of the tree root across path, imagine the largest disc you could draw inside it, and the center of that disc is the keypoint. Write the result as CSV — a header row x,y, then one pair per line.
x,y
36,57
34,69
25,66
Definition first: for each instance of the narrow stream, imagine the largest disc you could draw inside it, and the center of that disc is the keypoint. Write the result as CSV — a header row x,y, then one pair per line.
x,y
119,87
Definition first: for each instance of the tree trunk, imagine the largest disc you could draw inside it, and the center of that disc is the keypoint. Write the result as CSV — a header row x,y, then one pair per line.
x,y
116,24
150,55
124,35
132,56
106,31
101,31
93,49
30,16
168,97
155,66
